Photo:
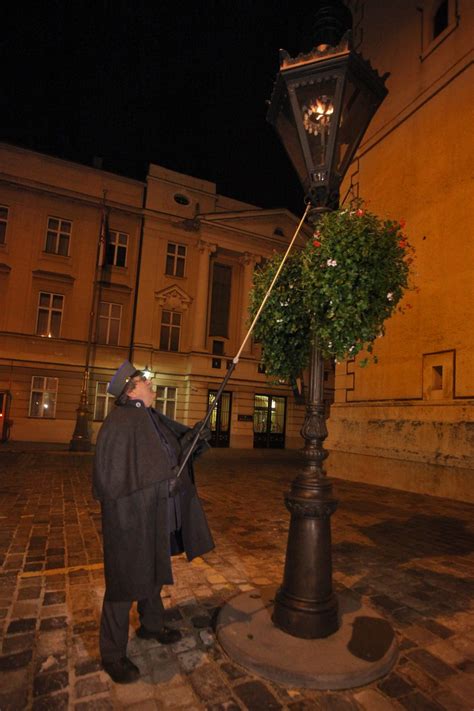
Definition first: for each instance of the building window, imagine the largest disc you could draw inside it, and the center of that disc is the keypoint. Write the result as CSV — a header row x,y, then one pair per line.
x,y
117,245
217,347
170,331
103,401
181,199
441,18
175,259
58,236
43,396
3,223
108,331
220,300
50,313
438,375
166,400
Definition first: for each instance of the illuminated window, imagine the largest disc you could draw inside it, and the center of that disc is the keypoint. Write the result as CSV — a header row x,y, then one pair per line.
x,y
3,223
58,236
50,313
175,259
103,401
170,331
117,246
108,331
43,397
166,400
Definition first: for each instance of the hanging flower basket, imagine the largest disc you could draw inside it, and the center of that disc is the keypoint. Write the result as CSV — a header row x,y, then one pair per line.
x,y
338,291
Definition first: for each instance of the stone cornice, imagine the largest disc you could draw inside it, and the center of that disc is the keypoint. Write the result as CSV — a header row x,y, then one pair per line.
x,y
53,276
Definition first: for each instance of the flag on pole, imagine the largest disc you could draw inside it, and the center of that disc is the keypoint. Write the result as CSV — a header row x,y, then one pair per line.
x,y
104,240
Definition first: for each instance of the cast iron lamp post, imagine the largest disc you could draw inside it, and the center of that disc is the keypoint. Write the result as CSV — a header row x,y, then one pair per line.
x,y
321,105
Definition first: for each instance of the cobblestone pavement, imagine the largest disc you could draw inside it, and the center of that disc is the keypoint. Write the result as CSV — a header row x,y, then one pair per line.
x,y
410,556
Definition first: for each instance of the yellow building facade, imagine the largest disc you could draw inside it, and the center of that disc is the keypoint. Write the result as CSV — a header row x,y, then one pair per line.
x,y
173,298
408,421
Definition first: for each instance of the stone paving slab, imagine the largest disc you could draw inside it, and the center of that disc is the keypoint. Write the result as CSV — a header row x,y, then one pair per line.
x,y
409,556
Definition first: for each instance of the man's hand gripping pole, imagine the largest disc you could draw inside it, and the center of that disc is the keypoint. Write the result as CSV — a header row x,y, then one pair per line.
x,y
235,360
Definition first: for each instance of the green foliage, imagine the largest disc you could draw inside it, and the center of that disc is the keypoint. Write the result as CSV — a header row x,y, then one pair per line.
x,y
339,290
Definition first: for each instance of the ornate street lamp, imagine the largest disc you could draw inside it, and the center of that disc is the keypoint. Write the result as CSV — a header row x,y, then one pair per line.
x,y
321,105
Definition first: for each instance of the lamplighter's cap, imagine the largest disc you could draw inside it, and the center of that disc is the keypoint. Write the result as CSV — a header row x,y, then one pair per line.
x,y
121,378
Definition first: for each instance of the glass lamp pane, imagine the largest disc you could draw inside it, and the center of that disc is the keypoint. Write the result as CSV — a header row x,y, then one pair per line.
x,y
286,128
358,107
317,106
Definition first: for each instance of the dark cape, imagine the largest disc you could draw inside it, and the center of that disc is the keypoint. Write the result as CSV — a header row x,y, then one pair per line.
x,y
135,450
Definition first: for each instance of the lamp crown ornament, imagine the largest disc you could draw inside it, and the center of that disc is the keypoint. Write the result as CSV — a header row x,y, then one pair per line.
x,y
331,20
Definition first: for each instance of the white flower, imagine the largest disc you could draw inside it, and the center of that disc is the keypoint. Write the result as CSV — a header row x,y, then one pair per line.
x,y
331,263
390,296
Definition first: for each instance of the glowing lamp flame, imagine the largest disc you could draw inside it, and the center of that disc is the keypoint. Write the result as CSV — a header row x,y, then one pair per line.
x,y
317,116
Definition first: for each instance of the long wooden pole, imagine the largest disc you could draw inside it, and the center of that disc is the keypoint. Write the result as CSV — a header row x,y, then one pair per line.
x,y
236,358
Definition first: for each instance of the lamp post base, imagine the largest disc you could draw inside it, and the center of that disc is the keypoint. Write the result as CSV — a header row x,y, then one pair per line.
x,y
81,440
363,649
305,605
304,618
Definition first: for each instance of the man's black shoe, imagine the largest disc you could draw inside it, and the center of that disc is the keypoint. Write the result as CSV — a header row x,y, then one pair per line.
x,y
166,635
122,671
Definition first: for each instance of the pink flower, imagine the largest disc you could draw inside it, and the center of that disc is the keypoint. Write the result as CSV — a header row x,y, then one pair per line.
x,y
360,212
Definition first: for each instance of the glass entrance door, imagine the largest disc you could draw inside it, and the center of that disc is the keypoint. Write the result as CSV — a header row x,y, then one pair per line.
x,y
220,419
269,421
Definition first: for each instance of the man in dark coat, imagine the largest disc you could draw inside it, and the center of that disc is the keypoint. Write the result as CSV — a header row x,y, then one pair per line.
x,y
147,515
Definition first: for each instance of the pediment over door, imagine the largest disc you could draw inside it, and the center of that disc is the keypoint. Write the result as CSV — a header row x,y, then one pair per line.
x,y
173,298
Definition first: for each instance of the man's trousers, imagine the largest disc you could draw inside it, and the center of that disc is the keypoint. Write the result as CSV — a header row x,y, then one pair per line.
x,y
113,635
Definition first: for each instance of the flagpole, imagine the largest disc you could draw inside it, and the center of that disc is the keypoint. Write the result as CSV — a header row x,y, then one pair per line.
x,y
81,438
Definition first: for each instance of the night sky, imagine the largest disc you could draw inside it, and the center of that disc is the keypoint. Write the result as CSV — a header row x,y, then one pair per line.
x,y
180,84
